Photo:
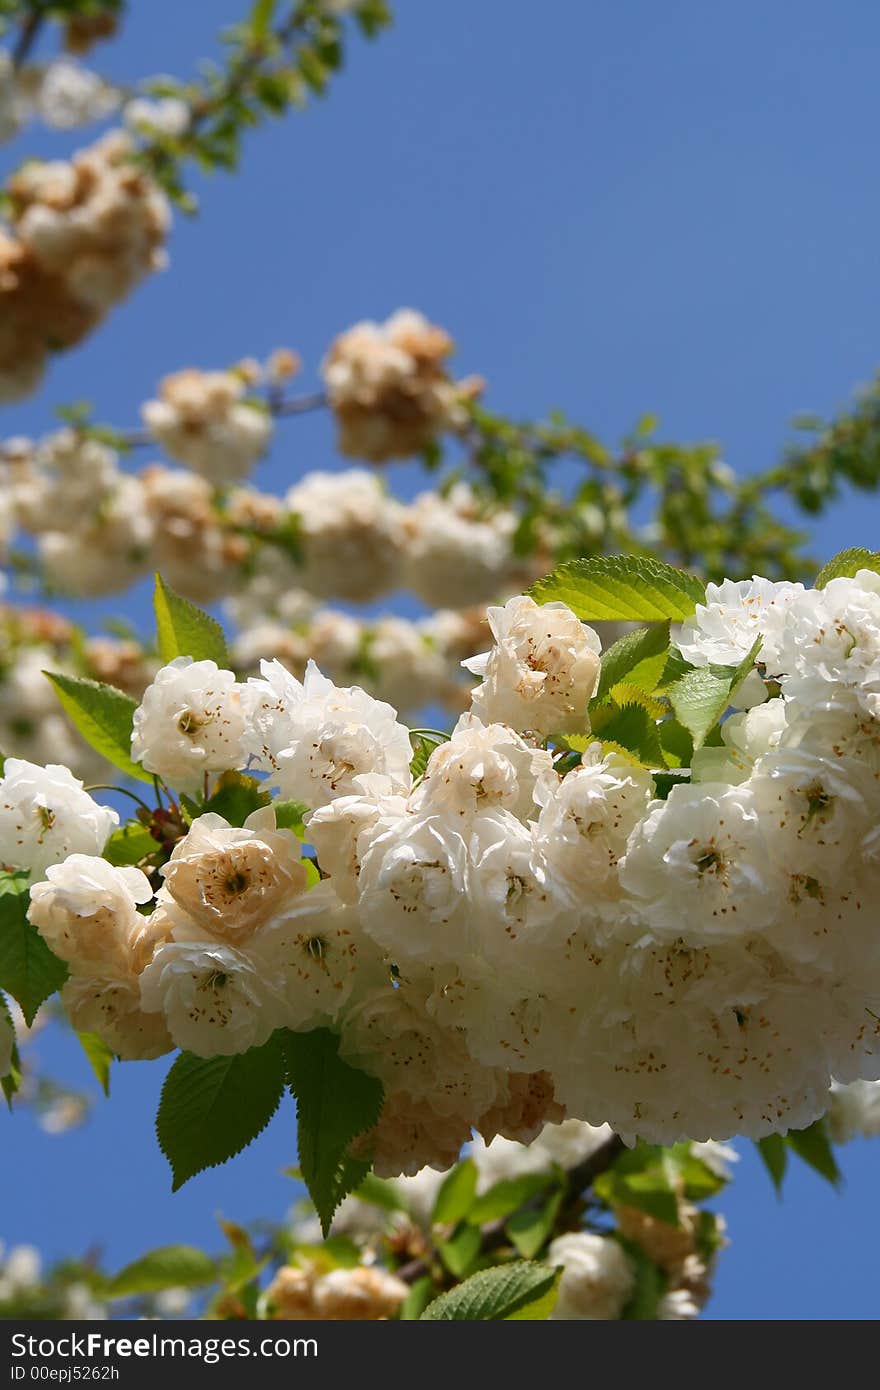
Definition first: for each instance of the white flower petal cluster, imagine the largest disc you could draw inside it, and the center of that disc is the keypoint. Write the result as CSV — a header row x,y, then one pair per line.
x,y
159,116
189,723
350,532
62,94
541,672
512,941
458,552
724,628
45,815
318,740
598,1277
389,388
70,95
204,420
81,236
87,912
854,1111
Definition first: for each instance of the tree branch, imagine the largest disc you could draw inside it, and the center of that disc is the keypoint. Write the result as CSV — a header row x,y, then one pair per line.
x,y
494,1235
27,37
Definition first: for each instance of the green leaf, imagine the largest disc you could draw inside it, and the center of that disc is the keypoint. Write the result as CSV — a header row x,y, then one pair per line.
x,y
260,18
774,1154
531,1228
702,695
417,1299
649,1285
813,1145
631,728
697,1178
289,815
847,563
507,1195
212,1108
103,716
456,1194
539,1309
637,657
623,588
184,630
235,797
28,969
379,1192
676,742
459,1253
10,1083
335,1104
650,1190
169,1267
493,1295
423,746
130,844
100,1058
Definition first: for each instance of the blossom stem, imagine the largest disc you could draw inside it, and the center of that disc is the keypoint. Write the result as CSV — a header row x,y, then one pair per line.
x,y
123,791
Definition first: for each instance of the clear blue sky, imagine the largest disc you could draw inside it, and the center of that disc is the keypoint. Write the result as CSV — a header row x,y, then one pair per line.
x,y
614,208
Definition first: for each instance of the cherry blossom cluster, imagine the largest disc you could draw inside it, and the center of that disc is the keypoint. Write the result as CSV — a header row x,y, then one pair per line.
x,y
62,94
335,535
505,939
389,388
35,640
81,235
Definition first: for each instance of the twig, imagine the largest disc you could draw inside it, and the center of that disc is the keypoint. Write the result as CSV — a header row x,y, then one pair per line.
x,y
494,1235
27,37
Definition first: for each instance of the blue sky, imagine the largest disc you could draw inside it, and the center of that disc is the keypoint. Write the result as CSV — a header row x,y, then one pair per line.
x,y
614,209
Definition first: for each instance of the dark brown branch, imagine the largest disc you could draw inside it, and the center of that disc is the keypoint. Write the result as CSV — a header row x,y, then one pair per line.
x,y
27,37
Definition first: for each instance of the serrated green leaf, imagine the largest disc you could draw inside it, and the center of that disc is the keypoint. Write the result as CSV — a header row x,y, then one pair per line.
x,y
335,1104
702,695
621,588
813,1145
459,1253
774,1155
129,845
103,716
531,1228
423,746
638,657
507,1195
847,563
456,1194
631,728
169,1267
539,1309
493,1295
677,743
29,971
212,1108
10,1083
182,629
100,1058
